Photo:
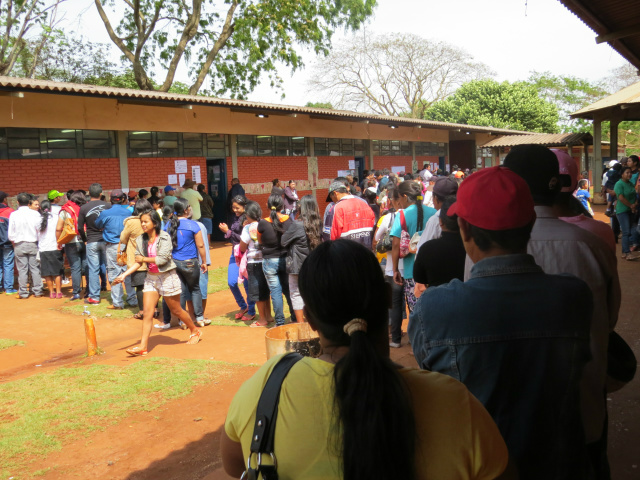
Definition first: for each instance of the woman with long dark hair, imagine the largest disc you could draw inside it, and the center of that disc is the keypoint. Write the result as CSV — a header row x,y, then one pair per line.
x,y
258,290
412,219
274,254
75,249
188,245
153,248
247,308
132,230
370,417
51,261
300,239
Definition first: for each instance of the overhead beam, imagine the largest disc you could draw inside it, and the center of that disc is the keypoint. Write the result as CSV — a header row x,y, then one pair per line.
x,y
625,32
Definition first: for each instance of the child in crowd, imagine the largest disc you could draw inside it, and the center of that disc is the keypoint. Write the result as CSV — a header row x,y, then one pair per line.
x,y
583,195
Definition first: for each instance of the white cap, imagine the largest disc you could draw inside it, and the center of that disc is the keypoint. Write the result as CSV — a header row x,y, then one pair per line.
x,y
612,163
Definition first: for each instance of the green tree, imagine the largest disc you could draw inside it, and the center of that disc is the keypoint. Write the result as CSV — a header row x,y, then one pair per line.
x,y
230,43
569,94
501,105
319,105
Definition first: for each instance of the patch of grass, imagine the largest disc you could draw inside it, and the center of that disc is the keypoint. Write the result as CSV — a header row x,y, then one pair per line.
x,y
8,343
228,320
217,280
41,413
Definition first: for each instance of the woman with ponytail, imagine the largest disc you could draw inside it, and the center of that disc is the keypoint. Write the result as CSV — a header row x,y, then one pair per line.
x,y
352,413
51,261
188,245
153,249
412,218
233,233
274,255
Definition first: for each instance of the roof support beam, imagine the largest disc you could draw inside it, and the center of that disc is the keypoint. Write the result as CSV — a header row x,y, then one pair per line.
x,y
626,32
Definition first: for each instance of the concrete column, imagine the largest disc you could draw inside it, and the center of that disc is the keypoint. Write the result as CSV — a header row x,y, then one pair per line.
x,y
233,149
613,137
369,146
414,161
312,166
124,161
597,154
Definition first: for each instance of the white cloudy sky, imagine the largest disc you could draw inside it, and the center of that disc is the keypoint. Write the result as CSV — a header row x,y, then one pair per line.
x,y
513,37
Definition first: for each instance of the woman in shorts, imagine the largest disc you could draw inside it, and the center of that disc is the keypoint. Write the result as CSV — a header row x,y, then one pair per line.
x,y
153,248
51,261
258,289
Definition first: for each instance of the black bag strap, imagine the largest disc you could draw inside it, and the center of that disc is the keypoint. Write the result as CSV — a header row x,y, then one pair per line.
x,y
262,441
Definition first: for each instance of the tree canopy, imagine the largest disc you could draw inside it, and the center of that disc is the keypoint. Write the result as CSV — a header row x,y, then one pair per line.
x,y
501,105
230,43
395,74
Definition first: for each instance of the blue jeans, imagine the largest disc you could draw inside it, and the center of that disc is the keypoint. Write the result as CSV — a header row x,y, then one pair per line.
x,y
232,280
275,270
96,258
113,269
204,284
189,273
77,256
624,219
208,224
6,269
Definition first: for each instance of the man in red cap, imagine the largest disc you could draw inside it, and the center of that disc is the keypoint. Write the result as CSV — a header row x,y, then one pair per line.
x,y
516,337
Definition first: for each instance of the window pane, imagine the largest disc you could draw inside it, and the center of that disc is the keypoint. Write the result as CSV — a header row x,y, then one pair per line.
x,y
96,134
65,133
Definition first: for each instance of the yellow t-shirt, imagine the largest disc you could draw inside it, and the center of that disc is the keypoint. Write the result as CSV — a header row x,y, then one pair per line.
x,y
194,199
457,438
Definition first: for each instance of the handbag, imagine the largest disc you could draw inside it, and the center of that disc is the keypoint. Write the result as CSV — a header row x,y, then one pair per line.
x,y
121,257
408,244
262,440
69,230
385,245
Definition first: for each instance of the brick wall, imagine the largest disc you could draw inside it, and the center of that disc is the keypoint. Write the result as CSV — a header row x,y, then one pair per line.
x,y
265,169
147,172
395,161
328,166
38,176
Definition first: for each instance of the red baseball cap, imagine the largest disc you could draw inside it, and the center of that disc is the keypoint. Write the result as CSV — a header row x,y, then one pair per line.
x,y
494,198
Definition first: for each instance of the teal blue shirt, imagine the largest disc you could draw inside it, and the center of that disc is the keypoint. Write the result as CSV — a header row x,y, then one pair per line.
x,y
411,219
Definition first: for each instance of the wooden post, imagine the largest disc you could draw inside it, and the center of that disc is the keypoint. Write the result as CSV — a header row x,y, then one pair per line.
x,y
90,333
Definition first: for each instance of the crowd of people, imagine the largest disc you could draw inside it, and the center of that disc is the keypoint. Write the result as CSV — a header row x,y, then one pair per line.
x,y
512,289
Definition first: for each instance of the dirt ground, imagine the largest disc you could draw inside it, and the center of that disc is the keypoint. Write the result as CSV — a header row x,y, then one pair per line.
x,y
169,442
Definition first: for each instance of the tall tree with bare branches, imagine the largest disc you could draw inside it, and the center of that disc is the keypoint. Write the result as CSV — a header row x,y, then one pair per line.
x,y
394,74
231,43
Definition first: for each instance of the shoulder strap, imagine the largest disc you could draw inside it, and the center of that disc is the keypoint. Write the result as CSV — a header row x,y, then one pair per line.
x,y
403,223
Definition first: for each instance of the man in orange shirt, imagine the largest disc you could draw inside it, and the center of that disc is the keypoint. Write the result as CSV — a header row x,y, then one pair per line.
x,y
353,219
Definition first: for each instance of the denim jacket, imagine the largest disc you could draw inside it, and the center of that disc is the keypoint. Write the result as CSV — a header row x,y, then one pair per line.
x,y
518,339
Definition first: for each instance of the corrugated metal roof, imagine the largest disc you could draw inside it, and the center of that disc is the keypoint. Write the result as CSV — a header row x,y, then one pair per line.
x,y
154,97
624,98
546,139
615,21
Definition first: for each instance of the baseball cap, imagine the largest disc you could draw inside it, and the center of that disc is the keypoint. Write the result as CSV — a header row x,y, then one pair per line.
x,y
53,194
459,174
132,194
612,163
494,198
169,188
568,168
333,187
445,186
117,193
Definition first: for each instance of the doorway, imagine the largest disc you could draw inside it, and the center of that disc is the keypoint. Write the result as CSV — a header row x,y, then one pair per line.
x,y
217,187
360,161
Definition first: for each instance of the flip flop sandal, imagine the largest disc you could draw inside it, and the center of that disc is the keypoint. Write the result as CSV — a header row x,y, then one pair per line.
x,y
138,316
136,352
198,334
258,325
248,318
240,314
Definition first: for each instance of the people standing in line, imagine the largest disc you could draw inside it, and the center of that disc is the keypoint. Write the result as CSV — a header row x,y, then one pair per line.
x,y
372,419
154,247
92,236
626,207
371,198
111,222
526,372
233,233
291,200
74,249
7,256
189,255
132,196
352,217
327,218
206,210
50,255
169,196
277,189
153,196
193,197
235,190
130,233
274,254
258,288
408,196
24,225
143,194
442,188
300,239
559,247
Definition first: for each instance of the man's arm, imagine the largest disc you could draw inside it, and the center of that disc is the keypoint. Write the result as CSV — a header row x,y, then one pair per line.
x,y
81,231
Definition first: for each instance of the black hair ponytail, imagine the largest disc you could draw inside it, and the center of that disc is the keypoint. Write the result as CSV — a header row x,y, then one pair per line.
x,y
414,193
376,432
45,212
180,206
275,204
